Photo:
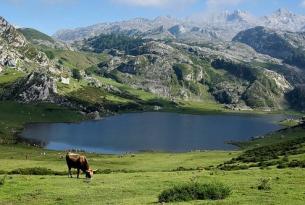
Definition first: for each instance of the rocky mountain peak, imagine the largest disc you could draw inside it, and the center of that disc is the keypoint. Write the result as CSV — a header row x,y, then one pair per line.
x,y
5,25
177,29
10,34
283,12
222,25
283,19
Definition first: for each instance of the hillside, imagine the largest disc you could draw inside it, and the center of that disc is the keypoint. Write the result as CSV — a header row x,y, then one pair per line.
x,y
115,70
34,36
284,45
230,73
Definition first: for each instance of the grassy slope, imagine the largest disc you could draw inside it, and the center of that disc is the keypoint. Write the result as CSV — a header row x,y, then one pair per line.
x,y
276,137
153,173
78,60
32,34
14,115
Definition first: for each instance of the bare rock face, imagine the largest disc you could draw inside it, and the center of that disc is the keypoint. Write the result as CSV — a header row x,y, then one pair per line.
x,y
36,87
16,51
10,33
287,46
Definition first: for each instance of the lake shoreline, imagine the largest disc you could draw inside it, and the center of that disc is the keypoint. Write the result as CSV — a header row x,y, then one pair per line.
x,y
156,115
194,111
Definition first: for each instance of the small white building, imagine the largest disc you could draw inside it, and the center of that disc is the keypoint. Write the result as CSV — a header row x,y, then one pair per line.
x,y
65,81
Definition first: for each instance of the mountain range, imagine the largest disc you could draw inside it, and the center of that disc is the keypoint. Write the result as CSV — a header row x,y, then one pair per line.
x,y
231,60
217,26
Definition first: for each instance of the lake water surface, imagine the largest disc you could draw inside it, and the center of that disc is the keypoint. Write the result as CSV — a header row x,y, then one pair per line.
x,y
156,131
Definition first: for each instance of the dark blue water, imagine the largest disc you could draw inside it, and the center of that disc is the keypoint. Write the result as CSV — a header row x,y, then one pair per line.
x,y
169,132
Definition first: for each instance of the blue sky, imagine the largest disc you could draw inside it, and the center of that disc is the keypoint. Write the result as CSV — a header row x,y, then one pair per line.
x,y
51,15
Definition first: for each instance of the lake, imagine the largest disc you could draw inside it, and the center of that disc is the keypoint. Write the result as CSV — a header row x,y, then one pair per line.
x,y
153,131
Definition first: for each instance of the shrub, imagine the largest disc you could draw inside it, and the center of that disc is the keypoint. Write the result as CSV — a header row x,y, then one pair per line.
x,y
233,167
76,74
183,169
36,171
2,172
195,191
264,184
282,165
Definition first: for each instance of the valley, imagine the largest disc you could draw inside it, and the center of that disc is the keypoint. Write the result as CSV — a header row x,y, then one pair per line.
x,y
155,104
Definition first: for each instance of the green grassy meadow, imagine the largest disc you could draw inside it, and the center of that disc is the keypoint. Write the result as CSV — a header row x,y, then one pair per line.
x,y
139,179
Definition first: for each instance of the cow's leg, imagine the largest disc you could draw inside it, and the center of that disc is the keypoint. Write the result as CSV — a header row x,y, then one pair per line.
x,y
77,173
69,172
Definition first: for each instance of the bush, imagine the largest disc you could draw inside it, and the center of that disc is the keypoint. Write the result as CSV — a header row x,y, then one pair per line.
x,y
76,74
264,184
296,163
282,165
183,169
2,172
36,171
233,167
195,191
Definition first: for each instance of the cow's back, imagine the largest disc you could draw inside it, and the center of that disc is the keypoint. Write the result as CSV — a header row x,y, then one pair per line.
x,y
77,161
73,160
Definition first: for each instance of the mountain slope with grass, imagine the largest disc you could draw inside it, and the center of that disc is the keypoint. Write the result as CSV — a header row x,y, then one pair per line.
x,y
228,73
289,47
231,74
113,73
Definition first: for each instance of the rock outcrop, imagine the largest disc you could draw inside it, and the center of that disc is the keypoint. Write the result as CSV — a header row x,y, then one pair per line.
x,y
36,87
288,46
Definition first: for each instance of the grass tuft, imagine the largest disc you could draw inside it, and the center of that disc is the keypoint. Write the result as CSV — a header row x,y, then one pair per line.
x,y
264,184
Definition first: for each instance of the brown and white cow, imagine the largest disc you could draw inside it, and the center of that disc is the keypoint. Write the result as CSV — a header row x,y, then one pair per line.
x,y
78,162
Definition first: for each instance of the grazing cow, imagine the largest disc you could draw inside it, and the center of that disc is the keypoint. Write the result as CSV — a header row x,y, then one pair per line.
x,y
78,162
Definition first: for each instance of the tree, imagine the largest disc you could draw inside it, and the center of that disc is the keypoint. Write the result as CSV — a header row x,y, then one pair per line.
x,y
76,74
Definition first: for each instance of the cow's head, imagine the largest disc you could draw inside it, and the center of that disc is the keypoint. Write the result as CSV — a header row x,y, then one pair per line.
x,y
89,173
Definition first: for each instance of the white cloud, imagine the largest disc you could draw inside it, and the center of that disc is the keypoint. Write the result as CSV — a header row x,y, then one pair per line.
x,y
155,3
